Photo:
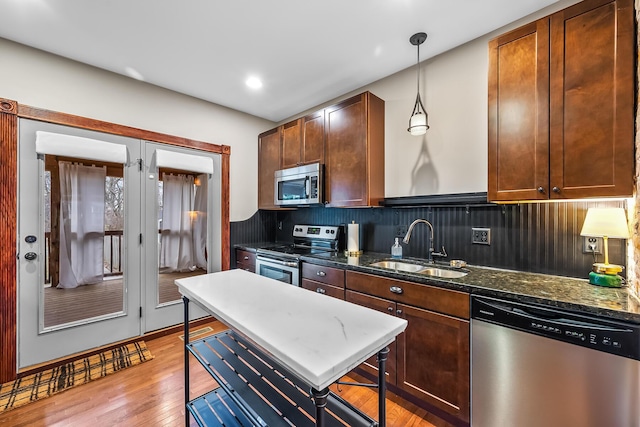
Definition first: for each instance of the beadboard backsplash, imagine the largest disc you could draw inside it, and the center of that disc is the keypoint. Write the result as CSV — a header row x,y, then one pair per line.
x,y
534,237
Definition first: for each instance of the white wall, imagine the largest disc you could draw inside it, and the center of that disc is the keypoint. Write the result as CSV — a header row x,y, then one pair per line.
x,y
32,77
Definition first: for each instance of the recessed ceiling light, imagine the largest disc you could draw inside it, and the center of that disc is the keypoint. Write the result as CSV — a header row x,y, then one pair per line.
x,y
254,83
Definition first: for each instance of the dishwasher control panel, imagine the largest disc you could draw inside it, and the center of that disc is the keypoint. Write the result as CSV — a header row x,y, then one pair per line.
x,y
606,335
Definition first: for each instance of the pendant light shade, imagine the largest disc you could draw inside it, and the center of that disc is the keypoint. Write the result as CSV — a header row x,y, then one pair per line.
x,y
419,120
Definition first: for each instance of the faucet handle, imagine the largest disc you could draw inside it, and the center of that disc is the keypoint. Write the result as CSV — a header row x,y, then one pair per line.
x,y
440,254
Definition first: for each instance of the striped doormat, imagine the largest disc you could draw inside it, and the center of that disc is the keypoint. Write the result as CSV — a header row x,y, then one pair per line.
x,y
47,383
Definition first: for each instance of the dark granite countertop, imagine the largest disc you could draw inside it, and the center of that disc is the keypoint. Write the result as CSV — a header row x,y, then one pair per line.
x,y
563,292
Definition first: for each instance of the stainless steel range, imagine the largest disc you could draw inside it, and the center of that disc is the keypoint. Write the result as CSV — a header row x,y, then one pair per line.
x,y
282,261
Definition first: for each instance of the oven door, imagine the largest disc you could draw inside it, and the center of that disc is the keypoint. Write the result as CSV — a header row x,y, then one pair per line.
x,y
283,271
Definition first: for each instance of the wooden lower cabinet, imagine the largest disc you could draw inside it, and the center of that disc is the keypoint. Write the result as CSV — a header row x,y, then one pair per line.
x,y
246,260
386,306
430,360
323,288
433,361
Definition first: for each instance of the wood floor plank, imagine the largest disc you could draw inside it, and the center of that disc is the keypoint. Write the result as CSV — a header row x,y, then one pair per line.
x,y
152,394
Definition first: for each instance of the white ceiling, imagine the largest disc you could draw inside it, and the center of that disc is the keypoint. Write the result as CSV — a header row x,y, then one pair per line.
x,y
305,52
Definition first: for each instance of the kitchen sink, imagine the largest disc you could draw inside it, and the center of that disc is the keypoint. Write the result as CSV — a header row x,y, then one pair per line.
x,y
419,269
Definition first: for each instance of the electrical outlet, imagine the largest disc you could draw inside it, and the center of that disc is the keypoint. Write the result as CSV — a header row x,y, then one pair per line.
x,y
481,236
592,245
401,230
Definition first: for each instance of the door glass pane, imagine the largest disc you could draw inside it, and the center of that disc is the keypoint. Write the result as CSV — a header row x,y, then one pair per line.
x,y
84,241
182,230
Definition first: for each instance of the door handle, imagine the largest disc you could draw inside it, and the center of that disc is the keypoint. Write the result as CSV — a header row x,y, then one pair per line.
x,y
30,256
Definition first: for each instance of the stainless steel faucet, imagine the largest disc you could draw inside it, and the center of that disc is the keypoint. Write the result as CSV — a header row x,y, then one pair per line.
x,y
431,250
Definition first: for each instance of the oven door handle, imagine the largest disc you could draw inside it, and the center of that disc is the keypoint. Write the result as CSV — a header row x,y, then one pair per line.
x,y
277,261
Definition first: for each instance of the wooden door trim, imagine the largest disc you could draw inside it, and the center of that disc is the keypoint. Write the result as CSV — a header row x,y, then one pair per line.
x,y
10,111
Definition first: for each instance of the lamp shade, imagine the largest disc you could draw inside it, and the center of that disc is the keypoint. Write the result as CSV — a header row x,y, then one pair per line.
x,y
606,222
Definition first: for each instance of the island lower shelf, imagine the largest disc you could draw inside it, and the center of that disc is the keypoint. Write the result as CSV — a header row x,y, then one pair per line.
x,y
255,391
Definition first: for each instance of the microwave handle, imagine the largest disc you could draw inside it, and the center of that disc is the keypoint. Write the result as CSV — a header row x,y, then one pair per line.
x,y
307,187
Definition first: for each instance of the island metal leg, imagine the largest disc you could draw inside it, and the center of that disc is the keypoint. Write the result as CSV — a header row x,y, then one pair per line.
x,y
186,360
320,399
382,387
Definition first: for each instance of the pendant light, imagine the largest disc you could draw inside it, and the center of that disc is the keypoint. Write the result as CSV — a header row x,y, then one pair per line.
x,y
418,123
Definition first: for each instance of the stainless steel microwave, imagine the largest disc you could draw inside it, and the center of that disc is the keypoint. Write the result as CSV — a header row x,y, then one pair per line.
x,y
299,186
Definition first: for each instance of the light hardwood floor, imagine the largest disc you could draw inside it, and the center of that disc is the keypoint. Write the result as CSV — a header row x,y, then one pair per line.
x,y
152,394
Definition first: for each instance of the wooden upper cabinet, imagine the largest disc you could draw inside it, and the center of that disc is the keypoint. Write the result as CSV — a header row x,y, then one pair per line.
x,y
313,138
561,105
354,158
269,155
519,113
303,141
291,144
592,89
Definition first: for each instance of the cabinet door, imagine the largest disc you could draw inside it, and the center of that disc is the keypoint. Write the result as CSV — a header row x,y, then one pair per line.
x,y
386,306
354,158
268,163
433,360
291,144
592,100
313,138
519,114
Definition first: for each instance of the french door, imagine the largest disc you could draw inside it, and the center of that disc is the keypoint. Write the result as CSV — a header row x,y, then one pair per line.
x,y
90,236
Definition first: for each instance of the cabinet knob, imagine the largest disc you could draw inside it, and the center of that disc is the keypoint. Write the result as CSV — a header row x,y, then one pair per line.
x,y
541,190
390,309
246,258
321,273
396,289
399,312
556,190
321,291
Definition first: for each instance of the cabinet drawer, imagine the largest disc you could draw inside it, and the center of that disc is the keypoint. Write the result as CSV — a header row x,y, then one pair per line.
x,y
245,257
323,288
329,275
454,303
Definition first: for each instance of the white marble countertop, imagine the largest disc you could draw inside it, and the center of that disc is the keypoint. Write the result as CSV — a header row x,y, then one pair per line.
x,y
316,337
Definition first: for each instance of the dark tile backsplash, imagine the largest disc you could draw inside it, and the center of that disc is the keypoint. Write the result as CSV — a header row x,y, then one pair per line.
x,y
534,237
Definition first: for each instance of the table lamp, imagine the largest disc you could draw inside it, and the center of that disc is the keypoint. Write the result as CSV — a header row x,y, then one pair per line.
x,y
606,223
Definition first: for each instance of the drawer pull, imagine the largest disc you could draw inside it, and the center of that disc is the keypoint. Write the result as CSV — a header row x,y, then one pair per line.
x,y
246,258
321,273
390,309
396,289
321,291
399,312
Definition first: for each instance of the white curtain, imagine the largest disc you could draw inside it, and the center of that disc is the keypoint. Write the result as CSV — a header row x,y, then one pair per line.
x,y
200,222
176,233
81,224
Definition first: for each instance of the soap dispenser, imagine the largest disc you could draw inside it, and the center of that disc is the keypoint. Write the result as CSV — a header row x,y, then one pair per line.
x,y
396,250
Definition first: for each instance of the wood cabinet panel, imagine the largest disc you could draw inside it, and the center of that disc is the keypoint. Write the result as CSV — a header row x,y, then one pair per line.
x,y
291,144
592,100
561,105
433,360
319,273
354,158
446,301
385,306
323,288
269,154
518,114
313,138
245,260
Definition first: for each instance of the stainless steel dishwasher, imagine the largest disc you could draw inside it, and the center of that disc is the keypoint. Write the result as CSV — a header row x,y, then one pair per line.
x,y
538,366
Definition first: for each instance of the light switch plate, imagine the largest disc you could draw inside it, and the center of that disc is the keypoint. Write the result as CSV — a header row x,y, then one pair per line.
x,y
481,236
